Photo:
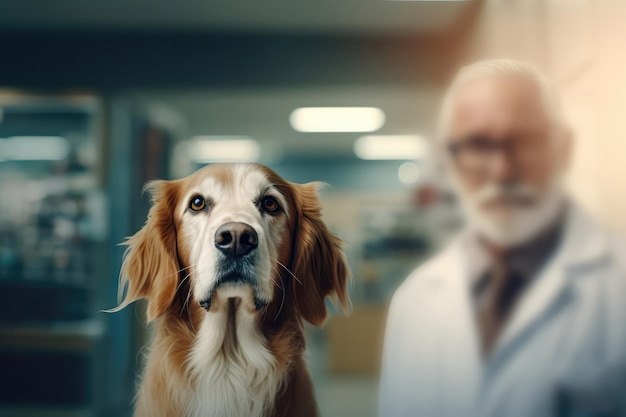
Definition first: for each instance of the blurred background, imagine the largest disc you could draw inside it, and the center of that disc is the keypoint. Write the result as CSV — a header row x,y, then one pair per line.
x,y
98,97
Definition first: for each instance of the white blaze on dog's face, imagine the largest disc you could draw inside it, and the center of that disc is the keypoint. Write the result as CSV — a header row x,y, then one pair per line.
x,y
231,226
237,235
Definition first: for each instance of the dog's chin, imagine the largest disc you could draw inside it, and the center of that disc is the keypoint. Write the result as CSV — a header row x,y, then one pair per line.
x,y
236,295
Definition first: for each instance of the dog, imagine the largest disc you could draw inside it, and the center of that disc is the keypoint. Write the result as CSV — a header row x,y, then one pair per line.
x,y
232,259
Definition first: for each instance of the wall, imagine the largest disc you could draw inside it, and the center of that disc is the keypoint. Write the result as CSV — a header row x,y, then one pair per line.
x,y
578,43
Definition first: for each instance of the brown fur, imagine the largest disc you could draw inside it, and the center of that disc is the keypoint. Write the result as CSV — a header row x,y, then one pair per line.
x,y
153,264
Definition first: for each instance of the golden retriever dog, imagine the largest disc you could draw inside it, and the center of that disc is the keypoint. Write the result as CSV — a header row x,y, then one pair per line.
x,y
232,260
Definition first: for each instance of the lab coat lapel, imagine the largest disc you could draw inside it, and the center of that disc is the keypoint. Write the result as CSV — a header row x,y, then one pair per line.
x,y
582,245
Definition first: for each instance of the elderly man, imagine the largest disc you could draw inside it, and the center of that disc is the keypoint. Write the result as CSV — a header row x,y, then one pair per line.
x,y
524,314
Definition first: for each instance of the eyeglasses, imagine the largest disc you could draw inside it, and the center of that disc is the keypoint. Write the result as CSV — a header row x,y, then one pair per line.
x,y
477,154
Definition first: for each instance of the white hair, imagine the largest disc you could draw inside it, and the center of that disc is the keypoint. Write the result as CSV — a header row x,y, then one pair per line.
x,y
501,67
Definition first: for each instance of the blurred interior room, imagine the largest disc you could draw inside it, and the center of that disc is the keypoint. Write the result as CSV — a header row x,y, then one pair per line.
x,y
98,98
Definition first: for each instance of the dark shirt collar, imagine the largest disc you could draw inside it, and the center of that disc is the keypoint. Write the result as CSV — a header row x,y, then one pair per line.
x,y
528,258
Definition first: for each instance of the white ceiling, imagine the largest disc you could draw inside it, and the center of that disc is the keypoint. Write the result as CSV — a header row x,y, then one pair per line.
x,y
351,16
264,114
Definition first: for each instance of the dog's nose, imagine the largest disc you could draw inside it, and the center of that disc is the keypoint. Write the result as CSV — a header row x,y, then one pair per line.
x,y
236,239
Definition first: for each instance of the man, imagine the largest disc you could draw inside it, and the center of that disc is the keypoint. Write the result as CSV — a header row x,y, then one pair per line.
x,y
524,314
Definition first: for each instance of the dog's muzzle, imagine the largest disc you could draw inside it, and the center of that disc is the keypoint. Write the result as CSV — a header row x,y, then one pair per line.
x,y
237,243
236,239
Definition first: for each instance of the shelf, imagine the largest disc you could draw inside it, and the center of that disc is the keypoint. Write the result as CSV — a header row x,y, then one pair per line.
x,y
71,335
44,411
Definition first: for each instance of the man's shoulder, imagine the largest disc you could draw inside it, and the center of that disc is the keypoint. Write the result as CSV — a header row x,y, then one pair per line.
x,y
616,248
613,243
589,228
616,244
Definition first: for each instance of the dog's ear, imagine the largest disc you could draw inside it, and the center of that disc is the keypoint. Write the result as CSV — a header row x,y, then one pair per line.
x,y
318,259
150,267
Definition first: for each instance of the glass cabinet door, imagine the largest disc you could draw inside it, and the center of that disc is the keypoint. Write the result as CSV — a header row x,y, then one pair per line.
x,y
53,234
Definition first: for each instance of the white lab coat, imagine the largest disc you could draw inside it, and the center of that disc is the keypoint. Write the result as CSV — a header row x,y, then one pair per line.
x,y
563,352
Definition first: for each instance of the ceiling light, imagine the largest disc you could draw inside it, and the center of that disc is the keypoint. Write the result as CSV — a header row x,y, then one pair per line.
x,y
34,148
409,173
407,147
207,149
337,119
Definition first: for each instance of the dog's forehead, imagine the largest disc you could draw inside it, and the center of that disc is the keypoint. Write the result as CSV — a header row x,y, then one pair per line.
x,y
231,181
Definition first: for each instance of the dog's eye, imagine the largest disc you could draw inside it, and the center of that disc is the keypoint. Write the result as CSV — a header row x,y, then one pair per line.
x,y
197,203
269,204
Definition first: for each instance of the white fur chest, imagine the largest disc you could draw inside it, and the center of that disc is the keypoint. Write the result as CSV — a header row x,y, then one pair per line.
x,y
234,373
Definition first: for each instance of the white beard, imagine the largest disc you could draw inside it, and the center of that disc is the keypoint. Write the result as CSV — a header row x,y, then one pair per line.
x,y
522,223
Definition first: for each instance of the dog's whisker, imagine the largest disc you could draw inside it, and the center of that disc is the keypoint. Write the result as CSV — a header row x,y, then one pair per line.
x,y
186,300
177,272
282,302
190,320
274,270
287,269
182,281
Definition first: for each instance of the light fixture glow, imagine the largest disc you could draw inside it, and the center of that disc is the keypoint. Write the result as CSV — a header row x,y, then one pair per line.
x,y
409,173
34,148
337,119
391,147
207,149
